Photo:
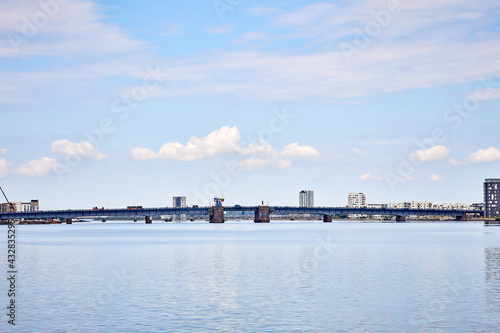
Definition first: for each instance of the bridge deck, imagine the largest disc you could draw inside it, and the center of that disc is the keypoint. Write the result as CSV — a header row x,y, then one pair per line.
x,y
197,211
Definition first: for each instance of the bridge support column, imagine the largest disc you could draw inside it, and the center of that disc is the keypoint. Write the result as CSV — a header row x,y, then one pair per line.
x,y
69,221
148,219
216,214
263,214
327,218
400,218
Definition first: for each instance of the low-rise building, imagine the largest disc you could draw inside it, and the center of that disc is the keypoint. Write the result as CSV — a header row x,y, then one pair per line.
x,y
25,207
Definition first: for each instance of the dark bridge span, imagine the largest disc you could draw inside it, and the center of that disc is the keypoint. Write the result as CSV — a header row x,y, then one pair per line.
x,y
216,214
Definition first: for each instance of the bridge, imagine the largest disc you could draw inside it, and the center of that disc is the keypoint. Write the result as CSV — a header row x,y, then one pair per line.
x,y
216,213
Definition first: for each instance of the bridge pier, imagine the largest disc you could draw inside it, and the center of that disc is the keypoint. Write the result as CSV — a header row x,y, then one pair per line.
x,y
400,218
327,218
216,214
263,214
148,219
69,221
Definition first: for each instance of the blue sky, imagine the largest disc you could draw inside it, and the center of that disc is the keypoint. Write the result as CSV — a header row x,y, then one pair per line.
x,y
116,103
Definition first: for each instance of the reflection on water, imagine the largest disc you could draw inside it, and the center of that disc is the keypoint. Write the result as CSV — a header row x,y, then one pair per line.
x,y
243,277
492,289
492,266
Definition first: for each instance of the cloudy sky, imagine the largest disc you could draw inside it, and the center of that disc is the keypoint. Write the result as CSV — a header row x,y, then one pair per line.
x,y
116,103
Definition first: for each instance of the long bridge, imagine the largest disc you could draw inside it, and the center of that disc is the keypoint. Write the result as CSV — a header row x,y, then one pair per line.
x,y
216,213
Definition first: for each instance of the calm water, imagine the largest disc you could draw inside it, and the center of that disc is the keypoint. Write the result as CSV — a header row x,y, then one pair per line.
x,y
246,277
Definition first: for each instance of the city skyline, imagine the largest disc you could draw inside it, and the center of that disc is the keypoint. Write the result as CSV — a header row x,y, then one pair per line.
x,y
257,102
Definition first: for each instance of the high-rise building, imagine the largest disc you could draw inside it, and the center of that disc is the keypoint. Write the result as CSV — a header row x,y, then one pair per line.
x,y
491,197
356,200
179,202
306,199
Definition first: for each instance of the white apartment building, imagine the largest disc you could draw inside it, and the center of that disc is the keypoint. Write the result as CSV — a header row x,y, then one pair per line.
x,y
453,207
417,205
179,202
306,199
356,200
25,207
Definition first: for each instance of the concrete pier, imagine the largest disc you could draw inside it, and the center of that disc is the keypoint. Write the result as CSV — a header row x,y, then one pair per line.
x,y
148,219
327,218
216,214
263,214
400,218
69,221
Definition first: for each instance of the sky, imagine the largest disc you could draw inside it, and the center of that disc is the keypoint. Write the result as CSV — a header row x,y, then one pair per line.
x,y
115,103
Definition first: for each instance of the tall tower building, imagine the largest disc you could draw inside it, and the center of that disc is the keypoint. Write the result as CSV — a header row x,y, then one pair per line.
x,y
306,199
491,189
179,202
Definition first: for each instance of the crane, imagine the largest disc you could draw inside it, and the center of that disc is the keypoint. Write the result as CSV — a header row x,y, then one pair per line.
x,y
11,205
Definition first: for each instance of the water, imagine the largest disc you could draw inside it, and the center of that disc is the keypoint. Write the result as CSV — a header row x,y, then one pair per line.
x,y
246,277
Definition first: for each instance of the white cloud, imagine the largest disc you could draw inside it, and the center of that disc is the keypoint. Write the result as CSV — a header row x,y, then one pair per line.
x,y
142,154
74,28
34,168
360,152
411,178
4,151
255,164
84,149
491,154
262,149
226,140
415,49
5,168
436,153
220,29
39,167
369,175
365,176
296,150
223,141
454,161
437,178
487,93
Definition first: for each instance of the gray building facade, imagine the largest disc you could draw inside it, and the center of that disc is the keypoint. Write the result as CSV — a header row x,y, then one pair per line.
x,y
491,197
179,202
306,199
